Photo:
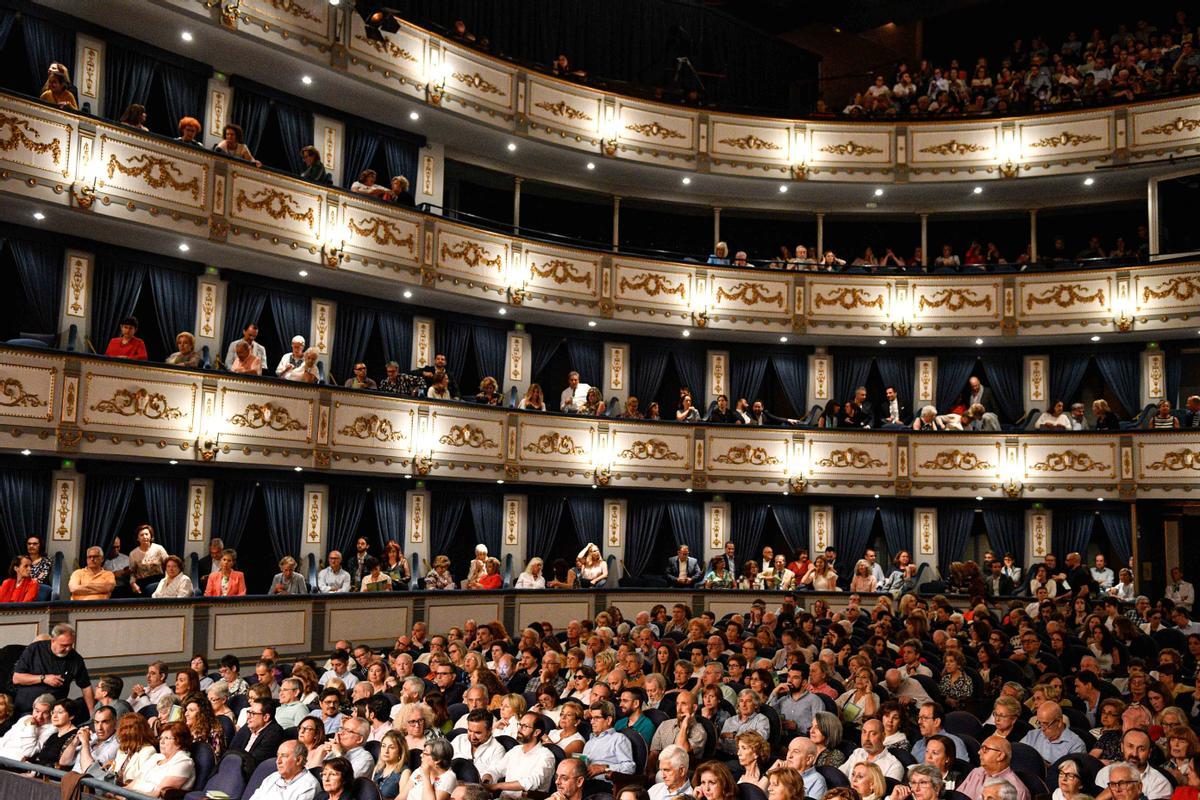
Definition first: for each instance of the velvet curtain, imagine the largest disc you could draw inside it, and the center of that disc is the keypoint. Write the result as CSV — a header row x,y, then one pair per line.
x,y
491,345
46,43
166,510
174,294
127,78
346,506
250,110
641,529
402,160
1066,374
361,147
40,268
183,91
791,370
285,513
1174,377
1072,530
897,524
746,522
395,330
1119,529
389,503
24,506
849,372
587,513
448,508
544,347
115,292
487,512
587,359
545,511
453,340
853,531
243,305
104,505
649,366
1005,378
952,374
954,531
897,372
1122,372
296,131
746,372
352,331
792,519
7,18
690,366
1006,532
687,521
232,500
292,314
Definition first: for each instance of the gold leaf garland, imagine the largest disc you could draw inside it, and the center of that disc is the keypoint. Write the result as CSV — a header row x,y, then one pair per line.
x,y
381,231
467,436
750,294
477,81
561,109
653,284
1177,461
655,131
1064,295
1181,288
296,10
848,298
155,171
750,142
957,459
1070,461
850,458
850,148
560,271
554,443
1177,125
372,427
748,454
955,300
266,415
13,395
953,148
138,403
388,47
19,134
1066,139
276,205
650,450
471,254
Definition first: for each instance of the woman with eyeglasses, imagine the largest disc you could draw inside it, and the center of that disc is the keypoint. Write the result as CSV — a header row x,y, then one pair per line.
x,y
39,565
433,779
414,721
567,735
1005,713
1074,780
174,768
1108,734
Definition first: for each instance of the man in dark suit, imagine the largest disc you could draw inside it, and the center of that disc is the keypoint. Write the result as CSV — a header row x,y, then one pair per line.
x,y
997,584
978,393
683,570
893,412
445,678
259,738
211,562
1191,417
866,409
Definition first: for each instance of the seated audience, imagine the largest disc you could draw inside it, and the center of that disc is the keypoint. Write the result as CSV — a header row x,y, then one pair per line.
x,y
189,132
366,185
175,583
360,380
400,194
245,362
232,144
19,587
134,117
57,89
404,384
226,581
291,360
531,578
250,337
489,393
533,400
308,371
439,388
1163,420
287,580
1055,419
186,355
93,581
127,345
291,779
314,170
173,768
1106,418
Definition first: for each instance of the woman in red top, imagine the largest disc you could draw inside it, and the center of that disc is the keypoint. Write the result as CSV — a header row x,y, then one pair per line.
x,y
127,345
20,586
490,579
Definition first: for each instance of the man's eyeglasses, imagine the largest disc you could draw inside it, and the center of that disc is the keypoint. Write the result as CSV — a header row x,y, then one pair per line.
x,y
1123,784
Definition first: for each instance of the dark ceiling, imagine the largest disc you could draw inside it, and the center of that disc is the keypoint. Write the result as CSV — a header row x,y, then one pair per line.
x,y
852,16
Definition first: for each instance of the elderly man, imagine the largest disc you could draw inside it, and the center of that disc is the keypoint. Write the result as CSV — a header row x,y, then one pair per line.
x,y
995,758
1125,783
291,711
569,776
683,570
1053,739
873,752
474,699
92,745
685,732
478,745
1135,754
573,396
748,719
794,702
929,720
348,743
673,767
333,579
551,674
529,766
245,362
607,751
802,757
290,780
904,688
52,666
30,732
92,582
999,789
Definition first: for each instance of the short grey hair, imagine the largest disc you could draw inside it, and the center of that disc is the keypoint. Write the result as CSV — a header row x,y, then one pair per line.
x,y
933,773
1008,791
416,683
1134,773
299,750
928,411
60,629
674,755
46,699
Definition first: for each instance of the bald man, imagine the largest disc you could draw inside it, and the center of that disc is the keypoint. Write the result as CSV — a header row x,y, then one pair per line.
x,y
1052,738
995,757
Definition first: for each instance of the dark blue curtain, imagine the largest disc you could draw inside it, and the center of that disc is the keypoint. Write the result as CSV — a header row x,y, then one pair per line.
x,y
175,302
232,500
285,514
7,18
395,329
487,512
105,500
402,160
183,91
40,268
746,372
1119,529
1005,373
1066,375
1006,532
1072,530
361,146
897,372
792,519
296,131
389,515
453,340
491,346
746,522
690,364
116,289
544,348
649,366
1174,362
954,531
641,529
444,518
952,374
1122,372
897,524
852,526
250,110
293,316
127,78
849,373
243,305
791,370
346,506
545,511
166,510
687,520
24,506
352,332
587,513
586,359
46,43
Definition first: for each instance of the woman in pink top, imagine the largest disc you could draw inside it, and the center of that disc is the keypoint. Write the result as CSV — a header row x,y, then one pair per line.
x,y
226,581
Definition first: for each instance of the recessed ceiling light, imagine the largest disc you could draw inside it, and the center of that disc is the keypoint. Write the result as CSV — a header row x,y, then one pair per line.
x,y
686,181
978,498
26,452
591,323
783,340
977,190
408,477
883,341
782,189
298,469
334,2
688,490
499,480
502,311
686,334
306,80
876,497
407,294
414,116
184,247
512,147
1088,181
979,341
1099,499
879,192
303,273
39,216
186,36
591,165
1095,338
172,462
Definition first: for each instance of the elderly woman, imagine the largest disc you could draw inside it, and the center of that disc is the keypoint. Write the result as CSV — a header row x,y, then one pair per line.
x,y
174,768
186,355
532,577
439,577
414,721
233,144
592,569
146,561
489,392
863,580
826,733
174,583
366,184
928,420
860,700
433,779
337,779
491,579
717,576
753,754
287,581
567,735
307,370
189,131
244,361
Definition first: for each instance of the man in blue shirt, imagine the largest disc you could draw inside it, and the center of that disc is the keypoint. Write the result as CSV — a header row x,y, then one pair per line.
x,y
1052,738
794,702
929,720
607,750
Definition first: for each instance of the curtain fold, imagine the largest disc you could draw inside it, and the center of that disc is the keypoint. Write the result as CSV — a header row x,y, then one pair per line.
x,y
746,522
453,340
792,519
390,504
243,305
849,372
40,268
232,500
687,521
292,314
1122,372
250,110
791,370
24,506
649,366
346,506
952,374
897,524
166,510
174,301
183,91
296,130
487,512
852,532
587,513
491,346
641,529
897,371
1066,375
544,347
115,292
46,43
746,372
1072,531
1005,378
395,330
127,78
587,359
954,531
402,160
1119,529
1174,377
7,18
352,331
690,366
1006,532
545,511
285,513
105,502
361,146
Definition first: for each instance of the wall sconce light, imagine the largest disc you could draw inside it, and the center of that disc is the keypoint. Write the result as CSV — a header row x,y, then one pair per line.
x,y
797,484
1009,152
206,446
84,189
423,447
702,303
609,132
230,9
333,249
1124,318
1012,488
435,87
602,475
799,171
517,281
901,326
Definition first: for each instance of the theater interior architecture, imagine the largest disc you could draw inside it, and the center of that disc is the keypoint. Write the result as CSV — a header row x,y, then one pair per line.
x,y
626,401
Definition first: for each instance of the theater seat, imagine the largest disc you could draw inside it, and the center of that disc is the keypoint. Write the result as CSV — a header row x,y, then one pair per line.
x,y
228,779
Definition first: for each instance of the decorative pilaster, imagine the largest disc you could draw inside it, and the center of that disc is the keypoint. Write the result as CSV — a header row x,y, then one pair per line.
x,y
77,285
514,532
925,386
418,507
925,537
717,530
614,532
199,518
820,529
89,73
1038,525
315,523
431,161
422,352
718,378
1037,383
820,381
616,371
518,369
216,114
328,137
1154,377
66,520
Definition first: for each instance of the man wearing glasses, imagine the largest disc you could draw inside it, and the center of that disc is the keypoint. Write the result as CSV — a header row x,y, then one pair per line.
x,y
1052,738
995,756
929,720
291,710
261,736
92,582
607,751
444,678
1135,753
1124,782
528,767
348,744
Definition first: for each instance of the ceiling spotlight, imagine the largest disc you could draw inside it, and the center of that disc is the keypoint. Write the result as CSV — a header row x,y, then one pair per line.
x,y
303,273
876,497
414,116
591,323
39,216
499,480
979,341
184,247
783,340
1099,499
1088,181
686,334
688,490
334,2
186,36
879,192
407,294
298,469
306,80
782,189
591,165
26,452
883,341
512,147
408,477
978,498
977,190
502,311
1095,338
686,181
172,462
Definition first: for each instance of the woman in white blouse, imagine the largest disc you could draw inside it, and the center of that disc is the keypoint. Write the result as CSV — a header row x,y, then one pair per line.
x,y
175,583
1040,579
174,768
1054,419
1124,589
532,577
821,576
146,560
593,571
307,371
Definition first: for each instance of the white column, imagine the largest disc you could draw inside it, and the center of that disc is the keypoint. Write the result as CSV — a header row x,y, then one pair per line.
x,y
1036,384
199,519
614,533
430,188
315,525
1152,215
820,380
518,371
77,306
217,110
616,224
717,381
616,371
717,530
1033,235
329,136
1038,535
65,523
517,181
924,240
321,336
1154,377
89,73
925,537
515,532
820,529
423,349
418,506
925,386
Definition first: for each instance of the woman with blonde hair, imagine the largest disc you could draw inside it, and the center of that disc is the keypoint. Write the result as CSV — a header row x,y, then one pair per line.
x,y
863,580
512,706
489,392
57,88
532,577
784,783
390,767
860,700
867,779
534,399
752,755
414,721
592,569
820,576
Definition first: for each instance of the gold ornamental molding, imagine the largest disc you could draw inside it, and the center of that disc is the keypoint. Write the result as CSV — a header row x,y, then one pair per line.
x,y
138,403
655,131
653,284
650,450
750,142
850,148
955,300
848,298
957,459
1066,139
1182,288
554,443
750,294
266,415
388,47
295,9
276,205
467,435
748,454
1178,125
381,231
1177,461
560,271
13,395
155,171
21,135
1070,461
850,458
478,82
372,426
954,148
561,109
1064,295
471,254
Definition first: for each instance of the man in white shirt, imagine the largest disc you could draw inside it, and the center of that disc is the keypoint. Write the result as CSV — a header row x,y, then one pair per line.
x,y
348,743
673,767
30,732
1102,574
290,781
333,579
1180,592
528,767
339,667
1135,752
876,570
249,334
155,688
291,711
98,742
474,699
478,745
573,395
873,752
117,562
